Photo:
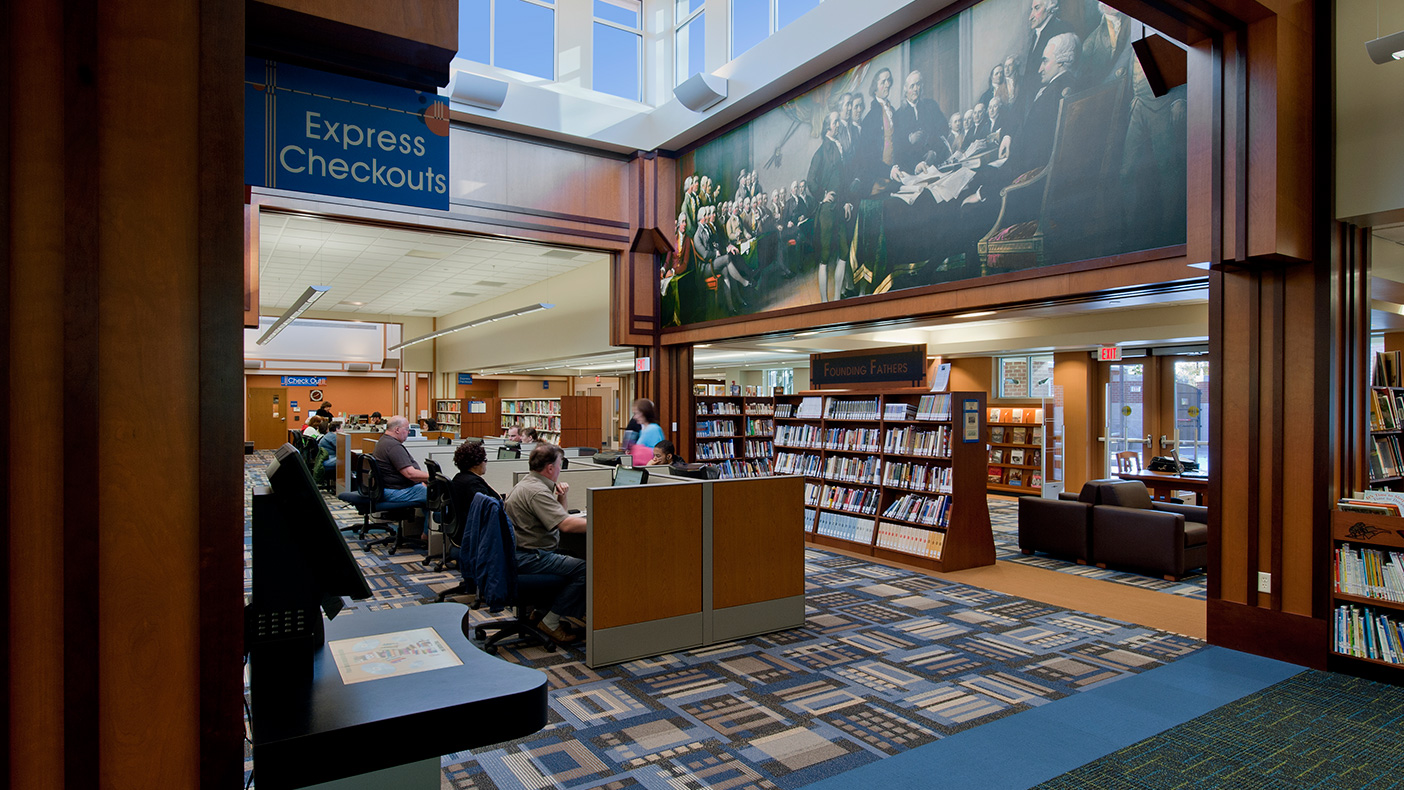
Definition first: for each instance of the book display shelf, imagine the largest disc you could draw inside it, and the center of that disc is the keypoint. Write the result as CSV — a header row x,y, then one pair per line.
x,y
466,416
1016,437
888,474
1386,396
571,421
737,433
1367,595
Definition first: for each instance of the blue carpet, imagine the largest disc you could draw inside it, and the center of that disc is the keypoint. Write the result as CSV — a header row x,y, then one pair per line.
x,y
1035,745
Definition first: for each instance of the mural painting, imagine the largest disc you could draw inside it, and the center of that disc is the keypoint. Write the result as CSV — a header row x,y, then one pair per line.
x,y
1016,134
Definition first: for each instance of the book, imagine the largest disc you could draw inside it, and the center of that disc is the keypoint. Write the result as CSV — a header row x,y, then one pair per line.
x,y
995,474
1016,456
1015,477
942,379
1018,435
997,434
996,455
1033,457
1036,479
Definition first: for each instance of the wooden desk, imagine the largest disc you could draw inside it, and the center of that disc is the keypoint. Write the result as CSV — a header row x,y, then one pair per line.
x,y
1163,484
322,730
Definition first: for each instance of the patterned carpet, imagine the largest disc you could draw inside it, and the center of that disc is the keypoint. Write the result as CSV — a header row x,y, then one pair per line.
x,y
1313,730
888,660
1004,519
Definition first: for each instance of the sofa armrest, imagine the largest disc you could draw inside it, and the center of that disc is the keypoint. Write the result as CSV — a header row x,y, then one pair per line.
x,y
1128,537
1055,526
1197,513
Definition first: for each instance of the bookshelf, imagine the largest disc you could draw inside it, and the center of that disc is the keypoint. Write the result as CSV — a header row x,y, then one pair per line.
x,y
887,475
1367,595
466,416
1386,400
737,433
1016,437
571,421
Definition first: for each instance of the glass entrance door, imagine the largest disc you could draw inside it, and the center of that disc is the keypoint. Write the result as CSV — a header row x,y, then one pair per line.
x,y
1124,399
1191,412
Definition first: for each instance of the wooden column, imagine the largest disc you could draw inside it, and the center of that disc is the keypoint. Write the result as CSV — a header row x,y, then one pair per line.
x,y
124,314
669,386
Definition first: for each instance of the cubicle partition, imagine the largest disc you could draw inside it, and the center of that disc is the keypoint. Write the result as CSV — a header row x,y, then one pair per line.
x,y
581,480
682,564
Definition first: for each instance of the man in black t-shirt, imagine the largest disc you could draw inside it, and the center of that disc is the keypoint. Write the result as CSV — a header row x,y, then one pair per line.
x,y
403,481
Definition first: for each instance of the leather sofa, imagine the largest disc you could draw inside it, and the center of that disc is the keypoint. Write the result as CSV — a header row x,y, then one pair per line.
x,y
1061,527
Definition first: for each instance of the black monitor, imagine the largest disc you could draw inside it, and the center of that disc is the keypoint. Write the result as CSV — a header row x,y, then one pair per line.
x,y
300,561
626,460
696,471
444,441
629,476
508,453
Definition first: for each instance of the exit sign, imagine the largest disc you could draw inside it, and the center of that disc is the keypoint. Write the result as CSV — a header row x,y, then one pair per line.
x,y
643,364
1109,354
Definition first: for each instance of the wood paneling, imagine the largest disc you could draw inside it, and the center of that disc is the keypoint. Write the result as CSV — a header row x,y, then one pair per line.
x,y
1279,635
251,267
646,541
1073,372
757,540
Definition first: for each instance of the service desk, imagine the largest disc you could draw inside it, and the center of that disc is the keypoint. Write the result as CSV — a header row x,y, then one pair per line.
x,y
389,732
1163,485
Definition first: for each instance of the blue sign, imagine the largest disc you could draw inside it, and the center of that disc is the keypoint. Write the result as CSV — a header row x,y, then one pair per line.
x,y
465,378
311,131
304,381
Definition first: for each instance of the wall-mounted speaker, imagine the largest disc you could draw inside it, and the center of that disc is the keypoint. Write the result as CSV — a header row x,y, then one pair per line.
x,y
479,91
358,367
701,91
253,364
390,363
1165,65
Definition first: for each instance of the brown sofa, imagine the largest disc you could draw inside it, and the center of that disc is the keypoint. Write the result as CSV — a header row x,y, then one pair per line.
x,y
1132,531
1061,527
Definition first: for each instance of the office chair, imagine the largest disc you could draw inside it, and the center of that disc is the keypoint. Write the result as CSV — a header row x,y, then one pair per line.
x,y
442,514
489,555
369,491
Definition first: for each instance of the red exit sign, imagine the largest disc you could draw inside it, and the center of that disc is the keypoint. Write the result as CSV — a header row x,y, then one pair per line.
x,y
1109,354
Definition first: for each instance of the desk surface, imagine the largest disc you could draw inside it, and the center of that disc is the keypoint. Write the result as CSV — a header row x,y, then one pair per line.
x,y
1182,482
322,729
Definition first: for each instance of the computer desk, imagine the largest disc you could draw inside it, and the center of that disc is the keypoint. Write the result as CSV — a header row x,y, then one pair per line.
x,y
388,732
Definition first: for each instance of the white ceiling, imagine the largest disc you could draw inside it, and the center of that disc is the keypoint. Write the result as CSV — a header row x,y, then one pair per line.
x,y
395,271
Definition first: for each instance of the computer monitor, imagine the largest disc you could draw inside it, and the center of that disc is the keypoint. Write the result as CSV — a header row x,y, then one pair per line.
x,y
508,453
629,476
696,471
626,461
444,441
300,560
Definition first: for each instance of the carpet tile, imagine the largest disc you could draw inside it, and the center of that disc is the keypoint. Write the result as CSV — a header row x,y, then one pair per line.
x,y
888,660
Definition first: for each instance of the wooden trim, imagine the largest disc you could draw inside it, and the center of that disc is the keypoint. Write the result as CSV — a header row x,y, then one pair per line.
x,y
81,389
1253,475
220,636
536,212
1280,635
7,32
1276,427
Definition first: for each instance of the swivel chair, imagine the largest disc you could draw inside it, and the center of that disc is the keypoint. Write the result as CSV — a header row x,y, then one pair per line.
x,y
489,553
366,500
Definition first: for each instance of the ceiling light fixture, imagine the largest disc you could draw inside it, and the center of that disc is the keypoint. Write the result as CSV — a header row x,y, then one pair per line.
x,y
1386,49
976,314
479,322
308,298
807,334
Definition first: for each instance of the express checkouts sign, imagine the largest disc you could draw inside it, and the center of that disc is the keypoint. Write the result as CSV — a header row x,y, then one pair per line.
x,y
310,131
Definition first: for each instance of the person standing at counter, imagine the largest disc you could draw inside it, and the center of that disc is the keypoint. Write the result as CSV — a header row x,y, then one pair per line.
x,y
536,507
324,411
650,433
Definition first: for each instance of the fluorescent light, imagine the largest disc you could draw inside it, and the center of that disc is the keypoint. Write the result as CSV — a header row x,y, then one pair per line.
x,y
308,298
703,345
479,322
976,314
807,334
1386,48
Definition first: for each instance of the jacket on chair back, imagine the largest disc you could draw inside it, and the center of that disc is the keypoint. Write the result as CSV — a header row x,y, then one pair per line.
x,y
483,555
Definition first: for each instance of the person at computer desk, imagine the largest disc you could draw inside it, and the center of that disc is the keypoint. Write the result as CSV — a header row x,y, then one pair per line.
x,y
324,411
513,434
403,481
377,422
428,424
537,510
313,427
665,454
471,460
327,444
650,433
529,435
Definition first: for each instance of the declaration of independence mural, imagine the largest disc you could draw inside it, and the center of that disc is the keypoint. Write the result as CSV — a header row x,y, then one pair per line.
x,y
1017,134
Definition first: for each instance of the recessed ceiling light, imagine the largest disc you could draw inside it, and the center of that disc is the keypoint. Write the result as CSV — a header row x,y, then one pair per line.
x,y
354,304
807,334
426,254
462,293
489,284
565,255
976,314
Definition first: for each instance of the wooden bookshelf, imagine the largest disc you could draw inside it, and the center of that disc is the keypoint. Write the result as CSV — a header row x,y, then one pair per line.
x,y
570,421
1384,447
1358,533
581,421
854,451
1017,444
460,417
736,433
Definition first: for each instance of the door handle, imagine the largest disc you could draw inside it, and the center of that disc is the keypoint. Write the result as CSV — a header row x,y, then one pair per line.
x,y
1164,442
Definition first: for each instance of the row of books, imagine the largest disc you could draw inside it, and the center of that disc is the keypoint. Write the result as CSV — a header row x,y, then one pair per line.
x,y
759,448
1370,573
1386,410
752,467
812,492
532,421
716,428
1016,455
899,411
808,436
935,512
1012,476
1384,457
448,406
1363,632
809,408
853,470
1016,415
853,439
760,426
718,407
852,500
837,525
806,464
533,406
764,408
911,540
916,441
1386,372
837,409
1000,434
711,451
934,407
1373,502
936,479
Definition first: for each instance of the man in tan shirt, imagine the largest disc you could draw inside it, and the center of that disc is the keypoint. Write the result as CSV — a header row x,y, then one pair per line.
x,y
536,508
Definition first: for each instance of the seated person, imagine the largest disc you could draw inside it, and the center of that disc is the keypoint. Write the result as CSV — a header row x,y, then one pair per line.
x,y
471,460
529,435
403,481
377,421
665,454
537,510
328,444
313,427
513,434
428,424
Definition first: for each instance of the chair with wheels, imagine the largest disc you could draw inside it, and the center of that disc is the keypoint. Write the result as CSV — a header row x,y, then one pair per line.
x,y
366,499
489,556
443,517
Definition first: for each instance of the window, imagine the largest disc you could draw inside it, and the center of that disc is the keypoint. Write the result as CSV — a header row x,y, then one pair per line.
x,y
752,21
1025,376
618,49
779,377
511,34
690,40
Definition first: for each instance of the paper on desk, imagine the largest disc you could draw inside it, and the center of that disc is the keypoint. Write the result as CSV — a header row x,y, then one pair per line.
x,y
391,655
